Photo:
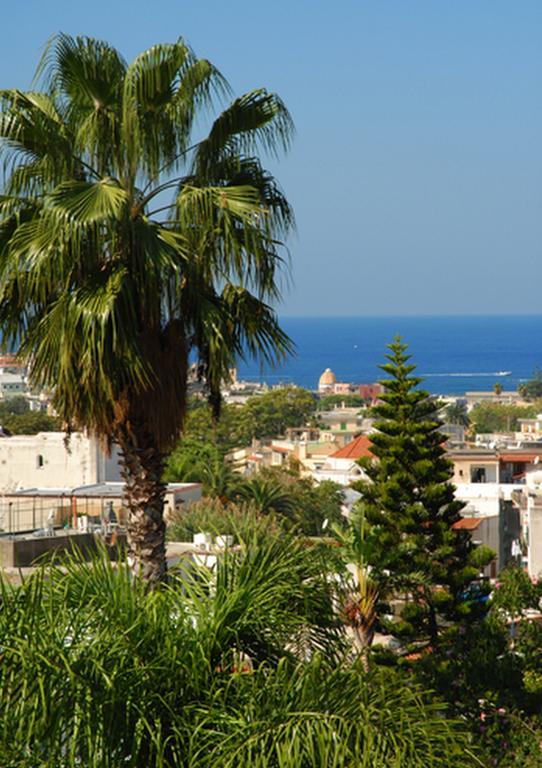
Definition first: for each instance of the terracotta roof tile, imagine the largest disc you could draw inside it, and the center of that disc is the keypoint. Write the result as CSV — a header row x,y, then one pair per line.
x,y
519,456
467,524
357,449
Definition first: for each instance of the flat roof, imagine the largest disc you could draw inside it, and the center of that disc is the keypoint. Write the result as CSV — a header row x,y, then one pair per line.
x,y
472,453
97,490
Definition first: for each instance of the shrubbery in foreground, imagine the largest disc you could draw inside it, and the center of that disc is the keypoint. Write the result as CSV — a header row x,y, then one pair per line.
x,y
245,667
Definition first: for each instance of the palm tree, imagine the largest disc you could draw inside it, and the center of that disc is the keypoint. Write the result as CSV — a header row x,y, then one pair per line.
x,y
267,495
220,480
127,246
456,413
362,588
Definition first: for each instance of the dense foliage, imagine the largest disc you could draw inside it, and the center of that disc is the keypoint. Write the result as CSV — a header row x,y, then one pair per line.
x,y
265,415
296,503
532,389
456,413
243,666
18,419
500,417
490,673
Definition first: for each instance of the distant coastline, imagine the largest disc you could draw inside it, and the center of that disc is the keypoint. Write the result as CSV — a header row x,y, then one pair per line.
x,y
454,353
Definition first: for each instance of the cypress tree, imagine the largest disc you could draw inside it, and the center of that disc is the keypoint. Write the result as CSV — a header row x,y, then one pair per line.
x,y
409,502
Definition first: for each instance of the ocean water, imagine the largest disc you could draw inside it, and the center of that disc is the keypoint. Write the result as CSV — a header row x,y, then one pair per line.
x,y
454,354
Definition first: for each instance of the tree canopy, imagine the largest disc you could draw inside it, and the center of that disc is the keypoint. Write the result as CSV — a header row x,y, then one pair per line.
x,y
409,502
499,417
532,389
129,242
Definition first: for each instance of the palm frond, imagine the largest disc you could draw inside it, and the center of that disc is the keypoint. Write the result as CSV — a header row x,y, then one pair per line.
x,y
84,203
256,119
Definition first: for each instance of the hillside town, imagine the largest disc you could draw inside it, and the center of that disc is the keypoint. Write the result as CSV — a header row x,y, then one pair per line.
x,y
496,475
270,479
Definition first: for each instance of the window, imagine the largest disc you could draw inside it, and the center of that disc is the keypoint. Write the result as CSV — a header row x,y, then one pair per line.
x,y
39,461
478,475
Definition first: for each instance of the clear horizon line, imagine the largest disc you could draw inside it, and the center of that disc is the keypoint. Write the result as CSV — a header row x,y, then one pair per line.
x,y
410,315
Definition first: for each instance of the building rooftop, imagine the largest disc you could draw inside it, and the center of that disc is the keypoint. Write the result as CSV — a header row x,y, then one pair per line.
x,y
467,524
357,449
327,378
97,490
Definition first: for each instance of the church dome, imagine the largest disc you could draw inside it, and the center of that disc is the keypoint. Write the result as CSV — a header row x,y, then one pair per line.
x,y
327,379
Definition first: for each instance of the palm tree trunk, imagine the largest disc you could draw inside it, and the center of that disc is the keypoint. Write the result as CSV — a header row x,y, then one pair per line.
x,y
142,466
364,637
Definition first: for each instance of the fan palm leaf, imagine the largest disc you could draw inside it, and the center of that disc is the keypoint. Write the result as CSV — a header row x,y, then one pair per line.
x,y
128,244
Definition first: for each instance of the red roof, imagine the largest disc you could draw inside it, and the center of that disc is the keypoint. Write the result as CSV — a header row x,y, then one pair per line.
x,y
357,449
281,449
467,524
527,457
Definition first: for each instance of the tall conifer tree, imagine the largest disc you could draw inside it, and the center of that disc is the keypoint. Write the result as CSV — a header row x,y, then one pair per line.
x,y
409,501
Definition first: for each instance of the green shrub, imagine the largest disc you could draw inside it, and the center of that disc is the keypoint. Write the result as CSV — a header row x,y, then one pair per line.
x,y
243,666
212,516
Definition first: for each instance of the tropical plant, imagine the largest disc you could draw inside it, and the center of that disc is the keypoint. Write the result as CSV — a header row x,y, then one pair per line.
x,y
313,507
267,495
220,480
362,590
185,463
456,413
128,244
241,666
214,517
499,417
532,389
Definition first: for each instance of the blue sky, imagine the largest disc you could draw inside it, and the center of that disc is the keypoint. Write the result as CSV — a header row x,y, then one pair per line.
x,y
416,172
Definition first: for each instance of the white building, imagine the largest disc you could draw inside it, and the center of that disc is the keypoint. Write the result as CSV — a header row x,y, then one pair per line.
x,y
48,460
12,385
342,466
46,477
529,501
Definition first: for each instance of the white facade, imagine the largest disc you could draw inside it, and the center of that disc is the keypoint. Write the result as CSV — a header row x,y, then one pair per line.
x,y
341,471
46,461
483,499
12,385
530,504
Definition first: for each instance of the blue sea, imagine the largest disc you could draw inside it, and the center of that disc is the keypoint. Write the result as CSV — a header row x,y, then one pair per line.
x,y
454,354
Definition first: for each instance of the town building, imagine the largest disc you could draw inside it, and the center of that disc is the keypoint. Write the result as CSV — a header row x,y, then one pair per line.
x,y
327,382
494,483
342,466
52,460
530,429
47,477
12,385
30,509
328,385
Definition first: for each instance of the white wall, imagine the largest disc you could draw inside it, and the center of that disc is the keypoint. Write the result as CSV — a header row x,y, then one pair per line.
x,y
44,461
483,498
534,550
